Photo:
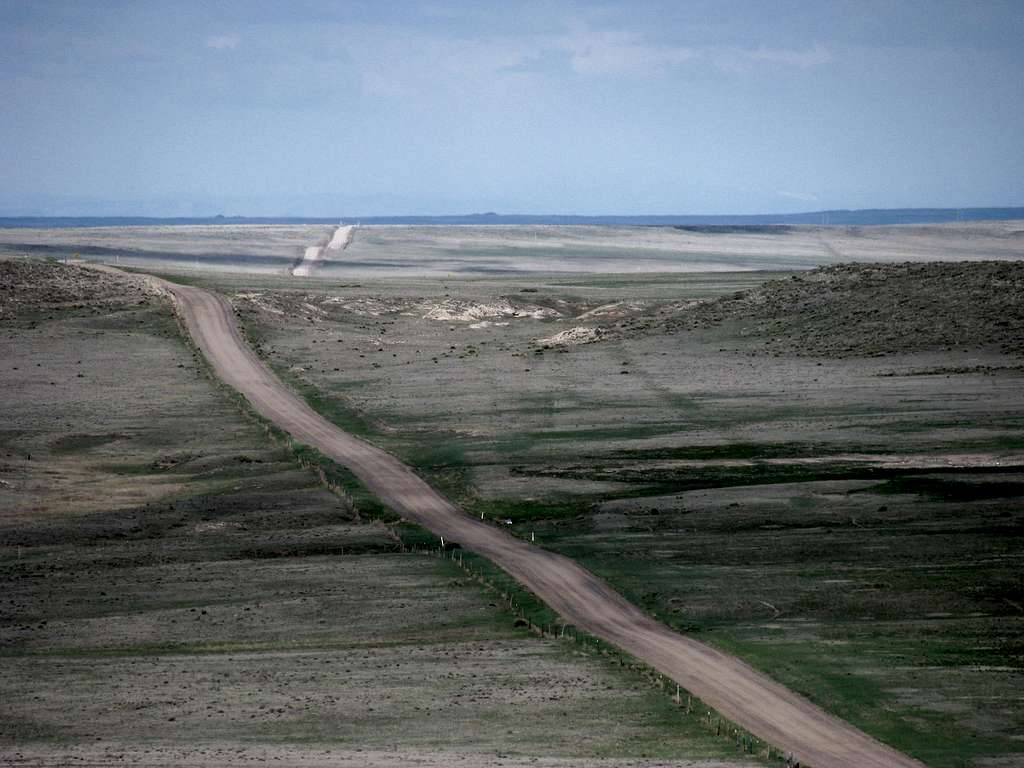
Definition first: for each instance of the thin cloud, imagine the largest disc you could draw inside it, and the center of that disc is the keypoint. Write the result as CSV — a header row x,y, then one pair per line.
x,y
223,42
400,62
616,52
812,57
745,59
613,52
404,63
803,197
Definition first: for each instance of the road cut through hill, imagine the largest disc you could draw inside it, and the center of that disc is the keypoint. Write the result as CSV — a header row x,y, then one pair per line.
x,y
314,254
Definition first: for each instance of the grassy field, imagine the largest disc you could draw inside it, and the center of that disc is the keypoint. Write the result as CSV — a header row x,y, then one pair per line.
x,y
177,589
852,525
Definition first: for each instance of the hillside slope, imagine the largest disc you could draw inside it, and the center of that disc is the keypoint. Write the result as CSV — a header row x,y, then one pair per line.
x,y
875,309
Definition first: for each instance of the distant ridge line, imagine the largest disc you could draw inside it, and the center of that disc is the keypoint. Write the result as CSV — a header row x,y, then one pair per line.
x,y
842,217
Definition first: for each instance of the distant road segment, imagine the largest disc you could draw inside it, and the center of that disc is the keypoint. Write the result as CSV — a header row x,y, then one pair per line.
x,y
736,690
315,253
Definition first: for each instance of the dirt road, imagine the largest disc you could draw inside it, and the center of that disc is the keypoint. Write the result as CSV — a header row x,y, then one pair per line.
x,y
314,254
736,690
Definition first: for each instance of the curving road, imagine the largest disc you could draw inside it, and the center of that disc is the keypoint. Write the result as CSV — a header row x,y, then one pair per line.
x,y
739,692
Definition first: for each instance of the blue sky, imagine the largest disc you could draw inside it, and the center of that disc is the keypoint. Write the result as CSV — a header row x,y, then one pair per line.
x,y
363,108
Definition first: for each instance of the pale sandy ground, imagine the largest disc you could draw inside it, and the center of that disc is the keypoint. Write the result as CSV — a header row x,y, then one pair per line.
x,y
342,237
481,250
520,249
251,247
312,255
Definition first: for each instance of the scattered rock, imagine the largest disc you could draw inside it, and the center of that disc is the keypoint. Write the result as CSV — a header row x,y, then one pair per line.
x,y
572,336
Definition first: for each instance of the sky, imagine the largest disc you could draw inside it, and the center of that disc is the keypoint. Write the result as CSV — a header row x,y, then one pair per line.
x,y
442,107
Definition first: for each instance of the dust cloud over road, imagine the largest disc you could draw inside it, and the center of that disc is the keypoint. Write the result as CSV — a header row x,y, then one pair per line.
x,y
314,254
736,690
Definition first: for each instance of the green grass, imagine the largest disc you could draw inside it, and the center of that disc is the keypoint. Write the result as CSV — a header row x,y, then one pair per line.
x,y
514,595
339,477
522,511
83,443
662,712
944,489
678,480
325,642
833,676
741,450
598,434
905,610
332,407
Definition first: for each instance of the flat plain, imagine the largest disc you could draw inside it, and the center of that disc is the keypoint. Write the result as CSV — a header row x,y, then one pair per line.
x,y
821,473
479,250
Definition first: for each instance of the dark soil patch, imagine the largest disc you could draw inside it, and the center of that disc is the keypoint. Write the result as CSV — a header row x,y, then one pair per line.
x,y
31,289
85,442
874,309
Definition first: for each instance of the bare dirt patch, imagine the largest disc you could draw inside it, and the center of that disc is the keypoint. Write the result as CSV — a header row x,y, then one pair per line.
x,y
577,335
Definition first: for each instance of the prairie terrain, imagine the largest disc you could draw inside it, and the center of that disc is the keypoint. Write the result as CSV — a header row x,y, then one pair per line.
x,y
475,250
821,472
835,498
178,590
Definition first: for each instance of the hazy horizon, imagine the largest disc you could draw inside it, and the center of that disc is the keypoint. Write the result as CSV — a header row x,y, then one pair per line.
x,y
446,107
848,217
